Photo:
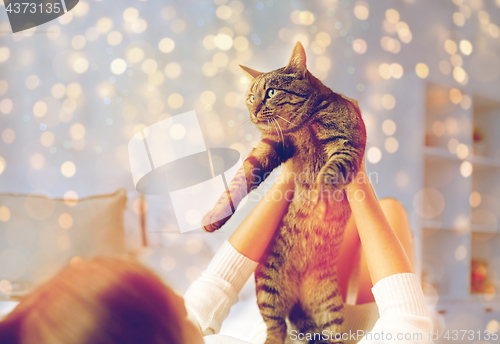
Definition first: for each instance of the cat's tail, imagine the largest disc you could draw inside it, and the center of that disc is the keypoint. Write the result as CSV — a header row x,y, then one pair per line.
x,y
301,320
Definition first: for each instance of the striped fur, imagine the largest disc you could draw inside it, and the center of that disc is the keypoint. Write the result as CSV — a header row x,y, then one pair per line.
x,y
324,133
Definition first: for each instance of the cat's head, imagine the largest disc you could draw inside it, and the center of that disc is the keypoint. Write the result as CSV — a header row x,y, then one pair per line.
x,y
287,95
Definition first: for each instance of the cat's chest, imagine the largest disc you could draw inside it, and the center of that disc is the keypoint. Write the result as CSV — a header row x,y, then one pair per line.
x,y
309,152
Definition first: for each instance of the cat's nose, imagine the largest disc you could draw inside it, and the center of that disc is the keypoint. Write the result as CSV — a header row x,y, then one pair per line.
x,y
256,108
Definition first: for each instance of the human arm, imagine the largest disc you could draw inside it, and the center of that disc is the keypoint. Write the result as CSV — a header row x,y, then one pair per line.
x,y
261,161
397,291
255,232
209,299
384,253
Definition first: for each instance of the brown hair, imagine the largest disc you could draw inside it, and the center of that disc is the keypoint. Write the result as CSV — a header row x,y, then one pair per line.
x,y
104,300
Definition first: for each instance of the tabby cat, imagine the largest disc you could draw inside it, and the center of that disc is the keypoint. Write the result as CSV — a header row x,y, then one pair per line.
x,y
323,131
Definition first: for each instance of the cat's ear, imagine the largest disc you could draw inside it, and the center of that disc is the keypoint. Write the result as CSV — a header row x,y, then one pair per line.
x,y
252,73
297,61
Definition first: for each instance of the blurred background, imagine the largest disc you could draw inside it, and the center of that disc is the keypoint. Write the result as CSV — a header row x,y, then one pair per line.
x,y
74,91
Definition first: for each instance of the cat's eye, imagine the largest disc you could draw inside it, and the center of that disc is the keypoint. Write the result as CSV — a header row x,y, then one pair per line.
x,y
251,99
271,92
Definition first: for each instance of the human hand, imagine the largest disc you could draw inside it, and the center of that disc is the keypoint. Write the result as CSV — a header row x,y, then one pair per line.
x,y
360,180
287,175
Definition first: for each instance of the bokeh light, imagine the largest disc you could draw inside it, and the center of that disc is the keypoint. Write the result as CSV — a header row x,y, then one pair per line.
x,y
40,109
422,70
390,44
4,86
175,100
391,145
392,15
70,198
429,203
359,45
104,24
135,55
241,43
396,70
374,155
208,97
465,47
224,12
78,42
68,169
455,96
149,66
114,38
172,70
77,131
4,213
466,169
6,106
118,66
32,82
58,91
458,19
475,199
8,135
361,10
5,287
4,54
388,101
438,128
385,70
65,220
389,127
223,41
80,65
493,326
130,14
462,151
3,164
450,46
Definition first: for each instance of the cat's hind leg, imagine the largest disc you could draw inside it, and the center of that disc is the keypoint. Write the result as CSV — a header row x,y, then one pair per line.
x,y
273,297
322,300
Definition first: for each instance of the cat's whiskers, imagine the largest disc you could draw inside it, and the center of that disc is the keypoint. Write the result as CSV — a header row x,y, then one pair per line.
x,y
244,125
287,121
268,127
282,136
274,126
273,121
245,122
280,133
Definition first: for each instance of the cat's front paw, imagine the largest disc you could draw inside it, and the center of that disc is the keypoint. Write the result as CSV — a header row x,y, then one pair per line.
x,y
212,220
334,177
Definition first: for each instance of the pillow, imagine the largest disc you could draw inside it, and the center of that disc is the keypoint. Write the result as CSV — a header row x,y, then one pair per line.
x,y
39,235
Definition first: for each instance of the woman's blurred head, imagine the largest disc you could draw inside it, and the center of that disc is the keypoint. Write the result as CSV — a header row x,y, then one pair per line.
x,y
103,300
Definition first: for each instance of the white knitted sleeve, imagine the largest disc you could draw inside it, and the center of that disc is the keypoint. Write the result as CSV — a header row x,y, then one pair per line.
x,y
209,298
404,316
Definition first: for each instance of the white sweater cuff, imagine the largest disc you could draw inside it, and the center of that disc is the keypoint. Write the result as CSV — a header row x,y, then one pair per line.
x,y
400,293
231,266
